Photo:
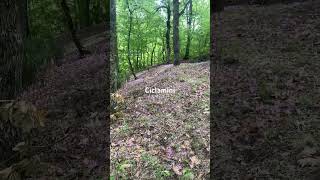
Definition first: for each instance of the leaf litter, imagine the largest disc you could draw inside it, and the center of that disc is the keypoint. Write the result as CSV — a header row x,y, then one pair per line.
x,y
266,106
163,127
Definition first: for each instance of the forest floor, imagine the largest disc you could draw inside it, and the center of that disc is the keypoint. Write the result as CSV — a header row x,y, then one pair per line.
x,y
266,93
74,95
163,136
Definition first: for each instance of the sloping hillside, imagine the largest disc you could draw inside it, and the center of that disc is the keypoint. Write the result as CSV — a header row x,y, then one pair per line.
x,y
163,136
74,96
266,92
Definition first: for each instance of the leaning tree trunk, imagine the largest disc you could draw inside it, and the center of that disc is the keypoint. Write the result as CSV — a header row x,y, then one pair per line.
x,y
11,54
114,61
189,22
72,29
176,43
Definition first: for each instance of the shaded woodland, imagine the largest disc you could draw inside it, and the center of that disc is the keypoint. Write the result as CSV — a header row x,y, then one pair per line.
x,y
52,88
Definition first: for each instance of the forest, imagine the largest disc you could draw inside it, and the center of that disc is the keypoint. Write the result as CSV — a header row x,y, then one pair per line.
x,y
162,45
45,27
151,33
244,78
52,56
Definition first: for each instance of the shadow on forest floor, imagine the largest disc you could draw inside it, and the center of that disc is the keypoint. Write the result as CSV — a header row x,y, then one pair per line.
x,y
162,136
74,96
266,106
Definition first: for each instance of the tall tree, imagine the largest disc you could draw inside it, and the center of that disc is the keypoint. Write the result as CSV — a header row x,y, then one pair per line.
x,y
84,13
23,17
72,29
166,4
152,54
129,39
176,39
217,6
168,23
11,54
114,61
189,23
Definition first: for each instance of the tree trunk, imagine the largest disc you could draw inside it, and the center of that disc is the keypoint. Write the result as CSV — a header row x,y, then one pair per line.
x,y
137,59
217,6
84,13
189,22
168,32
11,54
128,41
176,43
114,61
152,54
23,18
72,30
163,50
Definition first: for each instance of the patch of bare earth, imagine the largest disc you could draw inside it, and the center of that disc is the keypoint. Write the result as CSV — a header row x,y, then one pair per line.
x,y
164,136
266,100
74,96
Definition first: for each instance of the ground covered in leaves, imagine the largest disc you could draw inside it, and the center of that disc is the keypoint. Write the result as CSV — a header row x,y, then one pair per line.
x,y
266,109
73,94
163,136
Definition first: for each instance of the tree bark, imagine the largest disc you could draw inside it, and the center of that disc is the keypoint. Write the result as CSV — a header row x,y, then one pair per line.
x,y
168,32
11,54
23,18
114,61
189,22
217,6
129,39
137,59
66,11
176,43
84,13
152,54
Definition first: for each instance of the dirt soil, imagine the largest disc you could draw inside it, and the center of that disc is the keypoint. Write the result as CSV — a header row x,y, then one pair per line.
x,y
266,93
163,136
73,93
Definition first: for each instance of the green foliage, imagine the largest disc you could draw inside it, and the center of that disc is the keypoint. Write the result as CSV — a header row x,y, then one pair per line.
x,y
123,169
159,170
45,18
47,25
187,174
147,36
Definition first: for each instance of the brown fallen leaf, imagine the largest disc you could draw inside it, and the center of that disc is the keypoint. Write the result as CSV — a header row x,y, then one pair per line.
x,y
177,169
194,161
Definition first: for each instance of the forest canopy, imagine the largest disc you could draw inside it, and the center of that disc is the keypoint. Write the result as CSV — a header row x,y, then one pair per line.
x,y
145,33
